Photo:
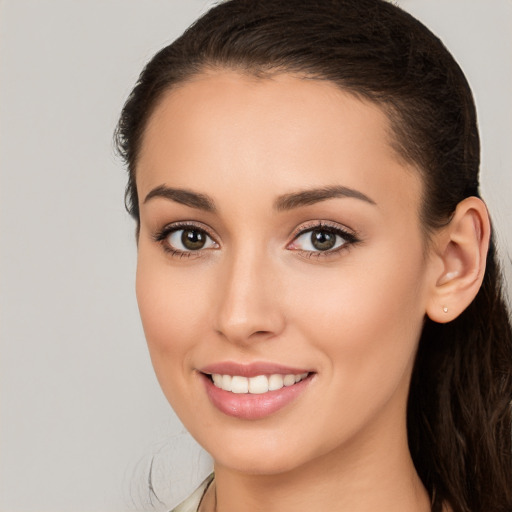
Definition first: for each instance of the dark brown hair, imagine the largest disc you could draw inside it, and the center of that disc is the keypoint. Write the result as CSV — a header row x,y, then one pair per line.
x,y
459,411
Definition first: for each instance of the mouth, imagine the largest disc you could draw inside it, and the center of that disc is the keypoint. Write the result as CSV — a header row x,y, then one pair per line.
x,y
252,392
257,385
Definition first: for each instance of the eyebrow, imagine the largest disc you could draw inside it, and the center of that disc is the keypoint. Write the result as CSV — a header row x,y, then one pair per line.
x,y
282,203
316,195
183,196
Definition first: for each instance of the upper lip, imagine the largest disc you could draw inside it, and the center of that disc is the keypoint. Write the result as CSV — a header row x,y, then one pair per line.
x,y
251,369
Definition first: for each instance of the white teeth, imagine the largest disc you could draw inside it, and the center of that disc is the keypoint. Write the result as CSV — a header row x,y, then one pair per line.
x,y
289,380
258,385
255,385
226,382
275,382
239,384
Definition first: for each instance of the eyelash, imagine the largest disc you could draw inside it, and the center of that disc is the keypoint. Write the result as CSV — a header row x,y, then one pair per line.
x,y
349,238
162,238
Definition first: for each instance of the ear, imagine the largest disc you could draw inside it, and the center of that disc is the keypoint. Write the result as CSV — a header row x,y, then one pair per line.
x,y
460,251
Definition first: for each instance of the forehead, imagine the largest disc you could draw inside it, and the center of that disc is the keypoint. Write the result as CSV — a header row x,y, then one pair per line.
x,y
225,130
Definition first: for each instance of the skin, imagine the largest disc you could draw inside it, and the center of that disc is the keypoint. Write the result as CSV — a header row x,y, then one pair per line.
x,y
353,316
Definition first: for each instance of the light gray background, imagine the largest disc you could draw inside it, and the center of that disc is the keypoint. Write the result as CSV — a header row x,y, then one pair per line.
x,y
81,414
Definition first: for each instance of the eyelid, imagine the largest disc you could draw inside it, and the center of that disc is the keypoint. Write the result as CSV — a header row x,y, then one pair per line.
x,y
323,224
183,224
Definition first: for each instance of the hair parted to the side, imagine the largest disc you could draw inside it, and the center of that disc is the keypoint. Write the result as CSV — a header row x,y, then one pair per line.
x,y
459,411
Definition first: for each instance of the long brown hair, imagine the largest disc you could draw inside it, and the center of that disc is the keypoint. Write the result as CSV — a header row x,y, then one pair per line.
x,y
459,411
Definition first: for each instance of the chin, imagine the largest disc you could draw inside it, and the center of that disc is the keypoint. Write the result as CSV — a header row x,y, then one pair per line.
x,y
261,453
262,464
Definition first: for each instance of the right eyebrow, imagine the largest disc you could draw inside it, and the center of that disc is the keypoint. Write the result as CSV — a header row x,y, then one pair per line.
x,y
183,196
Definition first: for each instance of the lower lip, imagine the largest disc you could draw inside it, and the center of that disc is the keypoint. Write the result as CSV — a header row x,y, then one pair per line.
x,y
249,406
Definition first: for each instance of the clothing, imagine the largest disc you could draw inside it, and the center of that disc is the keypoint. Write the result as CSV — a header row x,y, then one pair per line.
x,y
191,504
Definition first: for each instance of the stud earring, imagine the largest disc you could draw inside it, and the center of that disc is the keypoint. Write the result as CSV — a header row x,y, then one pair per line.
x,y
445,309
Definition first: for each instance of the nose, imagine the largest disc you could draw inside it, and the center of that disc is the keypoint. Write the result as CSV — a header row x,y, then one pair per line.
x,y
248,305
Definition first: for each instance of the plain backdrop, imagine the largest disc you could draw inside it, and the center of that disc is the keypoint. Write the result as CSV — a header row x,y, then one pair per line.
x,y
82,419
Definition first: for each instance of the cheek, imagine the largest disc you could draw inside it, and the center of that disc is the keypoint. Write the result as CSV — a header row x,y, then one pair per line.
x,y
172,311
172,308
366,319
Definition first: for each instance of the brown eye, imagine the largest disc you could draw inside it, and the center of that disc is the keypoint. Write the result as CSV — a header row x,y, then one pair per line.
x,y
193,239
187,239
323,240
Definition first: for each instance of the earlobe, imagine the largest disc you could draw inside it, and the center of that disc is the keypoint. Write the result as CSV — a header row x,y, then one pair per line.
x,y
461,250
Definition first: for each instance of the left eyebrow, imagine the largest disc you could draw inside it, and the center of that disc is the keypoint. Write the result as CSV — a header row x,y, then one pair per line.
x,y
316,195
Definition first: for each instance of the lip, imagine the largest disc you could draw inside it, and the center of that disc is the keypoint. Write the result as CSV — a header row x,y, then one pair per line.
x,y
252,369
249,406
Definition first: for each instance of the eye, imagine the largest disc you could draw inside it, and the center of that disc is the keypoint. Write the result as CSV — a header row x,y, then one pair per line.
x,y
191,239
185,239
322,239
318,240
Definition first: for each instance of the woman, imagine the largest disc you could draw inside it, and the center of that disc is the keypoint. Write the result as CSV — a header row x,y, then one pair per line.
x,y
316,274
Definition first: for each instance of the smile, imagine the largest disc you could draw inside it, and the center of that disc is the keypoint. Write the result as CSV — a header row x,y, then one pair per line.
x,y
254,391
257,385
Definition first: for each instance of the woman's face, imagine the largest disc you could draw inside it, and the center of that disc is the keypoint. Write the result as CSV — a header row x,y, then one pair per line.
x,y
279,235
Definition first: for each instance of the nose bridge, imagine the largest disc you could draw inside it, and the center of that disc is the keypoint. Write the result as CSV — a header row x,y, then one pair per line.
x,y
246,301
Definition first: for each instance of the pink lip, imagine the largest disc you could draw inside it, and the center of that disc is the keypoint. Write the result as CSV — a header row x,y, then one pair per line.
x,y
251,370
249,406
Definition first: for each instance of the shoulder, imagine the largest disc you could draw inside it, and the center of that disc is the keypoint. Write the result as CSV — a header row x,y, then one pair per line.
x,y
191,504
